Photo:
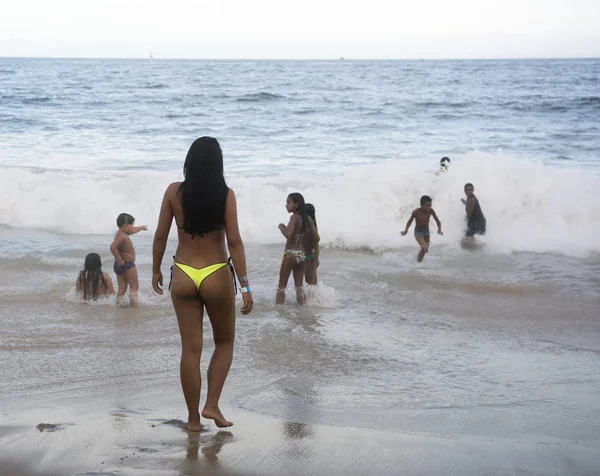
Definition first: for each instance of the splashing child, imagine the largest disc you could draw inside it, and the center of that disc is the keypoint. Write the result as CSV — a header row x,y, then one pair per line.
x,y
124,253
421,216
444,165
92,282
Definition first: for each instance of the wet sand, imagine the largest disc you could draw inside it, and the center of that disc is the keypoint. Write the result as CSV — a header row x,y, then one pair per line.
x,y
125,442
439,374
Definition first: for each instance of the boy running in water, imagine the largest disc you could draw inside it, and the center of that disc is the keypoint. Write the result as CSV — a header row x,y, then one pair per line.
x,y
421,216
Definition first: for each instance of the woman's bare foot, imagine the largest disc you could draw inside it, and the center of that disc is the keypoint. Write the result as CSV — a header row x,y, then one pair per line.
x,y
194,424
216,415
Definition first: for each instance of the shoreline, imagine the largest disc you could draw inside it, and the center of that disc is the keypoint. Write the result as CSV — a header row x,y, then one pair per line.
x,y
136,443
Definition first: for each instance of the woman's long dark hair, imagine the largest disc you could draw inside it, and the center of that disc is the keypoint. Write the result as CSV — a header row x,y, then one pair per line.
x,y
91,276
298,199
310,211
203,191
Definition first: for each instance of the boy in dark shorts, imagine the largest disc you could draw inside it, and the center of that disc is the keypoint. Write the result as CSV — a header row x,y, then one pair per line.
x,y
476,222
421,216
124,253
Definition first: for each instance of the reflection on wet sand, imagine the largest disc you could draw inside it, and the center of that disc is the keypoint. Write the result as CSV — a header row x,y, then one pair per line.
x,y
299,404
210,446
297,431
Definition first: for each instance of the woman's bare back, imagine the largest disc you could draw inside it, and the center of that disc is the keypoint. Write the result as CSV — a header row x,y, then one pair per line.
x,y
197,251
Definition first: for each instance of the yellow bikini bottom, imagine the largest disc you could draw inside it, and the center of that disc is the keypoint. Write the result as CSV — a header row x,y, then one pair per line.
x,y
199,275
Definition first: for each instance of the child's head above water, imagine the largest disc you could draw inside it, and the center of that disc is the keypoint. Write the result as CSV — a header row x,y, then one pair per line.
x,y
91,276
93,262
444,163
469,189
125,219
426,201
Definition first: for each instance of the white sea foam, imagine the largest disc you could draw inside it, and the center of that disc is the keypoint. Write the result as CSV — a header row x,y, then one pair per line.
x,y
529,206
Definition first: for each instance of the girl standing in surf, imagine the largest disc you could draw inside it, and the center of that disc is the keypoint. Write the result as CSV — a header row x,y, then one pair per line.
x,y
299,229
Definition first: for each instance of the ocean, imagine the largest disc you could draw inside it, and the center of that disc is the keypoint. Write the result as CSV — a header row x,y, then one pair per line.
x,y
500,343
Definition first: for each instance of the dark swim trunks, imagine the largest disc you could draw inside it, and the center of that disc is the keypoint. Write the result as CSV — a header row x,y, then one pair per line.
x,y
424,232
122,269
475,228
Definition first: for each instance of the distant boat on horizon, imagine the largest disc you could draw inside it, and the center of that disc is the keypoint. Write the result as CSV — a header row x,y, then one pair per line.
x,y
150,55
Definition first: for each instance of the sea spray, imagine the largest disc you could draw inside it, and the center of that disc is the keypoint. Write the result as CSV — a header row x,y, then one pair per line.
x,y
529,206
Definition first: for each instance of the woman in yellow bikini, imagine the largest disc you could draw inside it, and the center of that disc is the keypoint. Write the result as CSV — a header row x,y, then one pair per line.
x,y
205,212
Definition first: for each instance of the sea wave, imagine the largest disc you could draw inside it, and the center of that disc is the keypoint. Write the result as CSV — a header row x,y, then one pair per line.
x,y
364,207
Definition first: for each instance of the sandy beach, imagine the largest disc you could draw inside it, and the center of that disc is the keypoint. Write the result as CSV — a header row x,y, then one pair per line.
x,y
130,442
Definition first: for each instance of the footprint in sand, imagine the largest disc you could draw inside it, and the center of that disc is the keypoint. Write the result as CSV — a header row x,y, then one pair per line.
x,y
48,427
148,450
177,423
124,412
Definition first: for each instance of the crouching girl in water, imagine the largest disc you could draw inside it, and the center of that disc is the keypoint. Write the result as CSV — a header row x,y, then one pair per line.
x,y
311,246
92,281
299,230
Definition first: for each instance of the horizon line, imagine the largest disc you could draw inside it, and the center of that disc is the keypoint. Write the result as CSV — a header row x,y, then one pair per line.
x,y
340,58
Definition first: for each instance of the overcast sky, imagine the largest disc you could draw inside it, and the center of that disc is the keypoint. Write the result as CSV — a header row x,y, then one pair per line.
x,y
305,29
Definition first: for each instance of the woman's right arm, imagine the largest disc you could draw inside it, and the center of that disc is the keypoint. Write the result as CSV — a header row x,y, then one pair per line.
x,y
165,219
236,248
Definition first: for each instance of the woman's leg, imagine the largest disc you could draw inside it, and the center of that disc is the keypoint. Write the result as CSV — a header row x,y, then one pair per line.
x,y
189,310
218,296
